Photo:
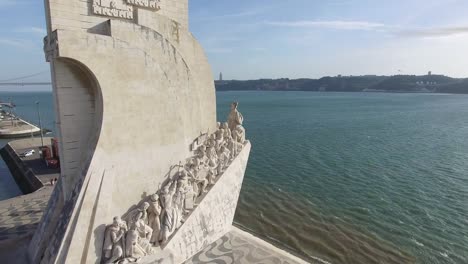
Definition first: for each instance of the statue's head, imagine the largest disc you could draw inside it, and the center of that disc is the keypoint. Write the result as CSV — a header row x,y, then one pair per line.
x,y
154,197
201,151
212,142
225,125
117,221
234,105
166,187
218,125
145,205
219,134
181,183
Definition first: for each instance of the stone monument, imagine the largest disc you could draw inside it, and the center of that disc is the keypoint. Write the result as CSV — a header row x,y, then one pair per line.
x,y
147,173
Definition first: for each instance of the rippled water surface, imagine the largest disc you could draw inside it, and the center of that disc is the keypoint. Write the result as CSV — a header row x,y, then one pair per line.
x,y
344,177
357,177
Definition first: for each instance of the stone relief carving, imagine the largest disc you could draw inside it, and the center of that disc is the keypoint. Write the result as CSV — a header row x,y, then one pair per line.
x,y
154,221
114,241
198,141
158,216
51,46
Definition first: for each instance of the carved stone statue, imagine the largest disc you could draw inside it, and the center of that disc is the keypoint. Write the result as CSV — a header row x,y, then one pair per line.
x,y
234,148
235,118
201,155
190,197
170,214
224,157
238,134
212,171
138,218
211,152
134,251
185,191
198,173
114,241
192,168
219,139
227,131
219,134
159,216
154,214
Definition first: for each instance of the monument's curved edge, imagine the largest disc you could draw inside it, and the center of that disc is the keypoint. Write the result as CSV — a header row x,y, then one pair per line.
x,y
134,100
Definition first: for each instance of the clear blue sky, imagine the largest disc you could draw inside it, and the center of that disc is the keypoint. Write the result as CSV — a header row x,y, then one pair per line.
x,y
248,39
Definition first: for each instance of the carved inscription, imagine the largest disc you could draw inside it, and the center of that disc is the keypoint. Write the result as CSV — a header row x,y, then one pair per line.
x,y
175,31
112,8
151,4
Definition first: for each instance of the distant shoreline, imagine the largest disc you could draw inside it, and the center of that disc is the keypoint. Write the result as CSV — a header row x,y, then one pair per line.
x,y
367,83
366,92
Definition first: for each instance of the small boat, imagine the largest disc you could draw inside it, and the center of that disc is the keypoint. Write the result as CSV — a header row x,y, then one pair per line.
x,y
12,126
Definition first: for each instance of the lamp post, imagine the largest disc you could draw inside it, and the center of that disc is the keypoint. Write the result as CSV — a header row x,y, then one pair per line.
x,y
40,124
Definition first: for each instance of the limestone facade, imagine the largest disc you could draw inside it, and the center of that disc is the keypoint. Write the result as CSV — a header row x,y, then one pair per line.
x,y
132,90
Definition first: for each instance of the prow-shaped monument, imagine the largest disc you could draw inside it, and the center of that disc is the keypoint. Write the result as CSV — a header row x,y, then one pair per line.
x,y
148,175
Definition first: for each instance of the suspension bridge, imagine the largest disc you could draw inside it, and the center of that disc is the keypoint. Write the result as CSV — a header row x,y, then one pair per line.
x,y
23,80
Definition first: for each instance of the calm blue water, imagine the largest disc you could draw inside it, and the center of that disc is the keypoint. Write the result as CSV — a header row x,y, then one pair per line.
x,y
25,108
346,177
357,177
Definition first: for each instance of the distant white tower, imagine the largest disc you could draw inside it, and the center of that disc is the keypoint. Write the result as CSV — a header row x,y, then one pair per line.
x,y
220,76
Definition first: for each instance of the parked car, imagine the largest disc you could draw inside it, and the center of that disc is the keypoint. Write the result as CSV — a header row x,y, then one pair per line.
x,y
28,153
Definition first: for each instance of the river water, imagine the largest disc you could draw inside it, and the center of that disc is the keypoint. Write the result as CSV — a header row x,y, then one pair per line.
x,y
344,177
357,177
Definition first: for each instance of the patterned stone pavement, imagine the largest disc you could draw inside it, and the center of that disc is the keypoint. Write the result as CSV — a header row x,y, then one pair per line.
x,y
240,247
20,216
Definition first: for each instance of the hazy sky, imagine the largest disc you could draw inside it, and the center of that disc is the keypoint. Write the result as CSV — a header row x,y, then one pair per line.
x,y
250,39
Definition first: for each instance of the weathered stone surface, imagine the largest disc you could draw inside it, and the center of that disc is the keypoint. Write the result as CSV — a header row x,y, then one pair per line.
x,y
131,93
214,215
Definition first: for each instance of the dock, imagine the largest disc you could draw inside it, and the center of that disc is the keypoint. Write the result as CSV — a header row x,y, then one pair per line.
x,y
17,127
30,173
20,215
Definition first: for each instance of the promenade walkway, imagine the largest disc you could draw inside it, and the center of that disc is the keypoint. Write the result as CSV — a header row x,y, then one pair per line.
x,y
20,216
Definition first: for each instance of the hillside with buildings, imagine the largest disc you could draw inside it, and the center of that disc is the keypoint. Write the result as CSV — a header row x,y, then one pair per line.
x,y
367,83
